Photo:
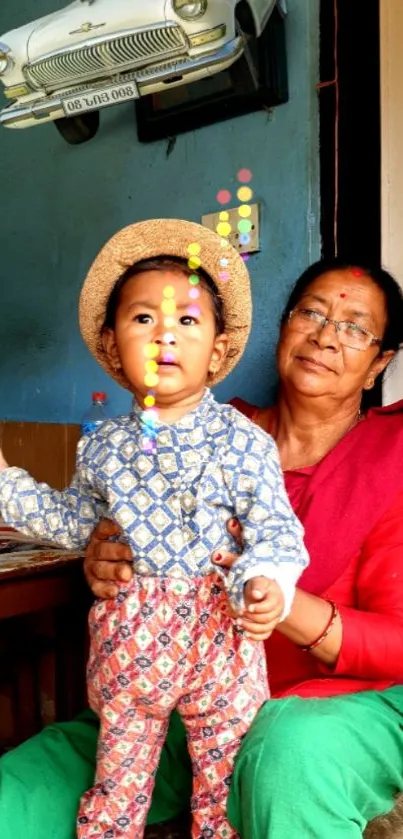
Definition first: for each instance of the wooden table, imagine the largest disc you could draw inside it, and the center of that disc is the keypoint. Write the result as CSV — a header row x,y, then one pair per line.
x,y
44,602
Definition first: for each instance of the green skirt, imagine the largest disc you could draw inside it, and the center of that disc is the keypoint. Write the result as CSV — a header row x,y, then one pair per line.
x,y
314,768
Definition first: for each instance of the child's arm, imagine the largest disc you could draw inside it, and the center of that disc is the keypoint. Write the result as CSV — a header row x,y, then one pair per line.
x,y
272,534
66,518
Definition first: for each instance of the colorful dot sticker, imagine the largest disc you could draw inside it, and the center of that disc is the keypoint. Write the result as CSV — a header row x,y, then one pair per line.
x,y
223,196
149,417
151,379
224,228
194,263
244,226
168,307
244,176
151,350
244,193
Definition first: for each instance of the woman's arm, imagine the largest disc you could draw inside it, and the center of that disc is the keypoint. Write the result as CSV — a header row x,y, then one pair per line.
x,y
308,619
366,641
372,645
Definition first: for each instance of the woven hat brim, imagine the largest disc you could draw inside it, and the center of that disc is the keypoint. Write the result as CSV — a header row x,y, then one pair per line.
x,y
167,237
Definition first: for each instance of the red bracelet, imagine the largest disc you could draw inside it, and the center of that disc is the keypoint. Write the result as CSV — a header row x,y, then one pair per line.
x,y
328,628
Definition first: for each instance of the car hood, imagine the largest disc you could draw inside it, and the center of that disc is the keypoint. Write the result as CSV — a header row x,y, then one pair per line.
x,y
17,40
79,22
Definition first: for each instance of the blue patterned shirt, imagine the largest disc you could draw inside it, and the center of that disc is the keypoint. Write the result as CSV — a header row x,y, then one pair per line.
x,y
173,505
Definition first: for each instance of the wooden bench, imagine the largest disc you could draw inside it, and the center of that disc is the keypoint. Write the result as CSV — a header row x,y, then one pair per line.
x,y
44,604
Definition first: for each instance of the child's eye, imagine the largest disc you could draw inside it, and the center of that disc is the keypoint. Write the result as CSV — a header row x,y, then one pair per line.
x,y
143,319
187,320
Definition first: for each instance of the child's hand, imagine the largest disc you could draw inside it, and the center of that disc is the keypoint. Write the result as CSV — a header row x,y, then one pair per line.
x,y
264,606
3,462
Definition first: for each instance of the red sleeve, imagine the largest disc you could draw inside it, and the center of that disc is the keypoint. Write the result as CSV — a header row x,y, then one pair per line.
x,y
244,407
372,646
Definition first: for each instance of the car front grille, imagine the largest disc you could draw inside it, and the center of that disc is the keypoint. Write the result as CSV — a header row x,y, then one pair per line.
x,y
102,57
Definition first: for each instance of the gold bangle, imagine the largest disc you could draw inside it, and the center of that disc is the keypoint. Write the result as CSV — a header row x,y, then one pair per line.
x,y
329,626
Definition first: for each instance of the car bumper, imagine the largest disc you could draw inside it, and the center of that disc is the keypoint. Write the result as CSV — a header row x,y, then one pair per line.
x,y
30,111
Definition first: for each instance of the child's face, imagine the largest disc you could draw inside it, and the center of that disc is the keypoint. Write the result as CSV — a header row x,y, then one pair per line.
x,y
188,348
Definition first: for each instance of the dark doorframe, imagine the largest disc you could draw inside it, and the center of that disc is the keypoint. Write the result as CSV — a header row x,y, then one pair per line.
x,y
350,134
350,58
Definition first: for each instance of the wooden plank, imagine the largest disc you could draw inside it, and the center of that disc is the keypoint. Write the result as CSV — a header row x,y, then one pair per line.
x,y
45,450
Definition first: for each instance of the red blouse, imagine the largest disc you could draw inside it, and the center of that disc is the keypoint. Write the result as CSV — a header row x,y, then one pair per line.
x,y
370,601
366,586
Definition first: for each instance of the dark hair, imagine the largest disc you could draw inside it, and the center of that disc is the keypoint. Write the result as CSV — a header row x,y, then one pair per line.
x,y
164,263
393,294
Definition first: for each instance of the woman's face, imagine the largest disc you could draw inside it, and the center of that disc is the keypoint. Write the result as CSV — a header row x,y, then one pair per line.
x,y
316,363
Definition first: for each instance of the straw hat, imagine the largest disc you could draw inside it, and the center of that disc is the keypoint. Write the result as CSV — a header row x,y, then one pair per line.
x,y
166,237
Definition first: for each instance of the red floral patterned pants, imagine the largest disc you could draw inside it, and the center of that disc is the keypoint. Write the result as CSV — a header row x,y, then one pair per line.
x,y
166,643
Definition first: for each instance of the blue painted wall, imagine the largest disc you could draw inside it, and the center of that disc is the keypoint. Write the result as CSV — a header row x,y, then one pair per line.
x,y
60,203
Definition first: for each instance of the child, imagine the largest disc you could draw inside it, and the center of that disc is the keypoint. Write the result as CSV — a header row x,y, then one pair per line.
x,y
168,639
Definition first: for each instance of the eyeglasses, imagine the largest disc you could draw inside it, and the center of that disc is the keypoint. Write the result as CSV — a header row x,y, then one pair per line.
x,y
349,333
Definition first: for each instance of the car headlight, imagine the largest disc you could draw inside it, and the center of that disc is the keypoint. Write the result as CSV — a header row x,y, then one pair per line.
x,y
6,62
189,10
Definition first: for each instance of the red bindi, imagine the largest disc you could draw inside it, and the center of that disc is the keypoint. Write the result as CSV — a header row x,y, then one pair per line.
x,y
342,295
357,272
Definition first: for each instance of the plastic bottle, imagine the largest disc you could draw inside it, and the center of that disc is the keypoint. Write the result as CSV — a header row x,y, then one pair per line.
x,y
96,414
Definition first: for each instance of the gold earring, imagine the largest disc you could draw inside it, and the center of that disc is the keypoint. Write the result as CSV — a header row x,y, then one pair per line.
x,y
369,383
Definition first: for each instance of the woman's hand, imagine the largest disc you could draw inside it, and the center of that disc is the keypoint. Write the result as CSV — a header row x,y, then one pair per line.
x,y
107,563
264,601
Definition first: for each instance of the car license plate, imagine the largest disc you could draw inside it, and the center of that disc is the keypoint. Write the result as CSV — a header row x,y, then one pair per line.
x,y
91,100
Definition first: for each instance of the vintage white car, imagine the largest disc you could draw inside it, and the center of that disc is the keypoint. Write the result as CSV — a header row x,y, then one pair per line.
x,y
94,53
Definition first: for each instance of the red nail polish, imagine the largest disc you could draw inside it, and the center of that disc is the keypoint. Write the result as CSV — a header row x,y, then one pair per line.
x,y
218,557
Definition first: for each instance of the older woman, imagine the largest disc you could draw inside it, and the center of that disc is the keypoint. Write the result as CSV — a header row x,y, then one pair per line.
x,y
325,754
